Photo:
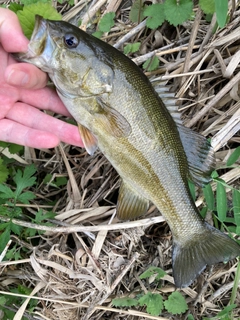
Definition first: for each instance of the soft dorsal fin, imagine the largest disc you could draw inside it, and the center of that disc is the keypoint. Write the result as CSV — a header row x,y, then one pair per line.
x,y
199,152
200,155
130,204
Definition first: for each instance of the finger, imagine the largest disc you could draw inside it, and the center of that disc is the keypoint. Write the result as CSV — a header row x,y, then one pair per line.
x,y
46,99
11,131
25,75
11,35
34,118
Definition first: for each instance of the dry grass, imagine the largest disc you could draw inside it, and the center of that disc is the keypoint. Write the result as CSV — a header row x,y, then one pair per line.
x,y
87,257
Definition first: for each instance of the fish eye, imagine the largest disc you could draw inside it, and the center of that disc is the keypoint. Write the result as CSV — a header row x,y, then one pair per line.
x,y
70,40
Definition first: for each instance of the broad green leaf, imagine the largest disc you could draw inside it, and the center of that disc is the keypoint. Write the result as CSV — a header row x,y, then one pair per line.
x,y
209,197
207,6
15,228
131,47
136,11
236,206
221,202
3,301
26,196
233,157
97,34
14,148
178,11
124,302
154,303
151,271
221,7
151,64
107,22
27,16
27,2
176,303
155,14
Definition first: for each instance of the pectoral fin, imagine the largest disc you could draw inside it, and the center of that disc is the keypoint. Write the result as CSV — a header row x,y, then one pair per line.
x,y
89,140
111,120
130,203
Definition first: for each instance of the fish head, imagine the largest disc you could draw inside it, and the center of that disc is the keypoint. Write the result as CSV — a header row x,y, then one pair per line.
x,y
70,57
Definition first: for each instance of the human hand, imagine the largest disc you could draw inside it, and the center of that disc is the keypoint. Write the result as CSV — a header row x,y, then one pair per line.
x,y
23,93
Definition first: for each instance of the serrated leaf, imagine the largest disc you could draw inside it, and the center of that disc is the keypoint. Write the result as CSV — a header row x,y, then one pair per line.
x,y
176,303
15,7
236,206
25,197
24,179
131,47
151,271
27,16
124,302
177,11
151,64
154,303
221,202
6,192
136,11
221,8
107,22
209,197
155,14
15,228
207,6
233,157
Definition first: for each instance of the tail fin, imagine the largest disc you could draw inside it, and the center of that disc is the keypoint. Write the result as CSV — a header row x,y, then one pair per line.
x,y
210,247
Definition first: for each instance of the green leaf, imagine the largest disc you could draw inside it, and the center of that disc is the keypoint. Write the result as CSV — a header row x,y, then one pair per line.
x,y
151,271
207,6
15,228
25,197
226,310
107,22
233,157
221,202
124,302
236,206
27,16
3,172
176,303
6,192
221,7
40,216
97,34
27,2
24,179
3,301
191,186
155,14
15,7
154,303
178,11
209,197
151,64
4,237
15,148
136,11
131,47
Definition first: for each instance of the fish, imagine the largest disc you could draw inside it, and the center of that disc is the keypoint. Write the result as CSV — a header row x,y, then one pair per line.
x,y
119,111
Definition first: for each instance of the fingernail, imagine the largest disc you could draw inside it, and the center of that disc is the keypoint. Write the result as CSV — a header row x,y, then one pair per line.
x,y
17,78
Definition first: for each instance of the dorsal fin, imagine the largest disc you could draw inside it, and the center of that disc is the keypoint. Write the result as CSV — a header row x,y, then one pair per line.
x,y
199,152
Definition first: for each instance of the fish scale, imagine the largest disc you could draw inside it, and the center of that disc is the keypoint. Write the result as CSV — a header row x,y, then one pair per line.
x,y
119,112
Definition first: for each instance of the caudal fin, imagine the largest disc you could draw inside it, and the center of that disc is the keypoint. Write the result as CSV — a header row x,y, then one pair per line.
x,y
208,248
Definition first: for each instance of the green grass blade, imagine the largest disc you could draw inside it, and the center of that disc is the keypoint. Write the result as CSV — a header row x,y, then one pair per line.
x,y
221,202
221,7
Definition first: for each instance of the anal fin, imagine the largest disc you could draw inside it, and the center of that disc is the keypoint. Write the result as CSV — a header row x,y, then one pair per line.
x,y
130,203
89,140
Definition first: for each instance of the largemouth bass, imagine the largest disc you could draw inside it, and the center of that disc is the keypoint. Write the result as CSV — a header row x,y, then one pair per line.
x,y
118,111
